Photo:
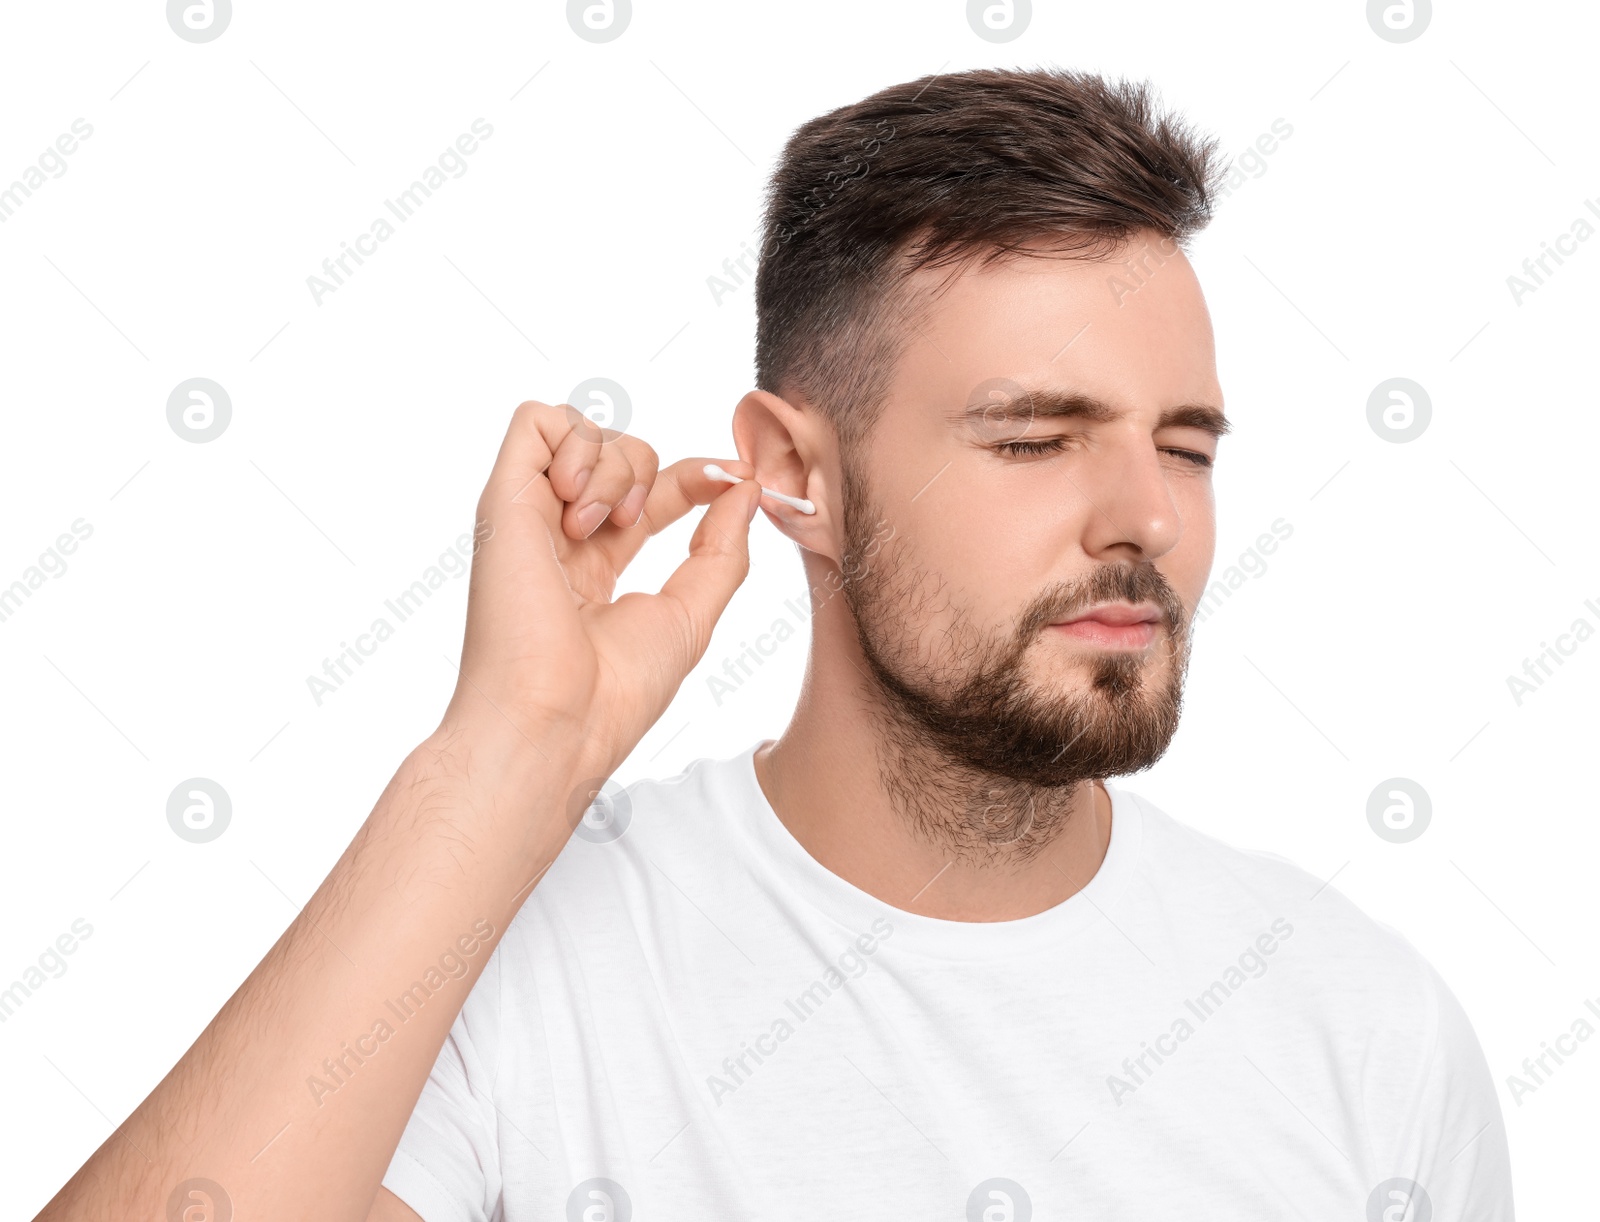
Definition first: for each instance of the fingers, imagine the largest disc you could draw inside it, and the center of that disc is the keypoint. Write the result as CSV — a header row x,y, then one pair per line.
x,y
719,560
674,491
683,485
645,468
525,452
594,476
592,472
606,475
572,466
517,516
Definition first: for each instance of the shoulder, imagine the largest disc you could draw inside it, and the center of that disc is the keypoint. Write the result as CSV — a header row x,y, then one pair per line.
x,y
1214,876
697,799
1347,1001
628,839
1348,968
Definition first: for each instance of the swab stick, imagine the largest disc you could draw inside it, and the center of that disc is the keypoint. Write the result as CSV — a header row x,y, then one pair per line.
x,y
804,506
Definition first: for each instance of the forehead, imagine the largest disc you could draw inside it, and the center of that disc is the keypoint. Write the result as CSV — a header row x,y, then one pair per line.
x,y
1130,328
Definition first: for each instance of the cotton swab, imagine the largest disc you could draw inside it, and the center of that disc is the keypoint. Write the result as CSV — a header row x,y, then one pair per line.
x,y
715,472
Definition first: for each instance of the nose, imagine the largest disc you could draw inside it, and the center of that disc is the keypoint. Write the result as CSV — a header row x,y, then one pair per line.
x,y
1132,513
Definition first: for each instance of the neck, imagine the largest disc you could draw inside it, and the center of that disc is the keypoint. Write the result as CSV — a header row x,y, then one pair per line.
x,y
870,797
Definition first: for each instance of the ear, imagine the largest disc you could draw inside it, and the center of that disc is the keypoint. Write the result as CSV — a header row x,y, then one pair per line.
x,y
794,451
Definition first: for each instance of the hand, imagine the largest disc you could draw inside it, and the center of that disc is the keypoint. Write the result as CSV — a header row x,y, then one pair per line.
x,y
551,665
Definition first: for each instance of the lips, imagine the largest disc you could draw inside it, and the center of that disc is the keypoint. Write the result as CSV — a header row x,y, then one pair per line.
x,y
1117,615
1115,626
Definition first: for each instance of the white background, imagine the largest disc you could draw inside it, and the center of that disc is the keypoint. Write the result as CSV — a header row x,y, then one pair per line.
x,y
1377,243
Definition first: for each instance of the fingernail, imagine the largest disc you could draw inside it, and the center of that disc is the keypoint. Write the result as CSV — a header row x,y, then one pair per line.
x,y
590,517
755,504
582,479
634,502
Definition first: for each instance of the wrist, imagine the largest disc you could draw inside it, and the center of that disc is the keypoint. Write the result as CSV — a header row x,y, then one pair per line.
x,y
494,750
497,789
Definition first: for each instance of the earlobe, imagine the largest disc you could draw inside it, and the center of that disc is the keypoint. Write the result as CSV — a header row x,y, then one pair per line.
x,y
815,531
810,532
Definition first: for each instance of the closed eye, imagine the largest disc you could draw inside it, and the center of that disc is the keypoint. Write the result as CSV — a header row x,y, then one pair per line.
x,y
1022,449
1054,445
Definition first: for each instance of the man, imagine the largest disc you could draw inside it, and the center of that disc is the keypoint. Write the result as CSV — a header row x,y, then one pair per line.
x,y
915,958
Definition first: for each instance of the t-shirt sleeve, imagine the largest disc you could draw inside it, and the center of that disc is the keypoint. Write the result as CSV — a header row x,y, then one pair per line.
x,y
447,1165
1458,1142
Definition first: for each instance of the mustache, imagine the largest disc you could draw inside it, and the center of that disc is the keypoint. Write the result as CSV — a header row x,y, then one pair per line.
x,y
1108,583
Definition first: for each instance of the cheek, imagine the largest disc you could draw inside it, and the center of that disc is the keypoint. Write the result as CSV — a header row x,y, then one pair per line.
x,y
1188,566
989,562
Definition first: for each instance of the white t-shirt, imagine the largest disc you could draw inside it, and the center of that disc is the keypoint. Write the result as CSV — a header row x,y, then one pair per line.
x,y
691,1018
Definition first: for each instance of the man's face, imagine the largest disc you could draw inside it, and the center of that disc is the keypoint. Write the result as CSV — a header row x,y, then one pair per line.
x,y
1005,519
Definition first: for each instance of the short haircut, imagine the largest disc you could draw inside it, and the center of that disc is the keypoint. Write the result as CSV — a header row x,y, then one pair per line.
x,y
940,171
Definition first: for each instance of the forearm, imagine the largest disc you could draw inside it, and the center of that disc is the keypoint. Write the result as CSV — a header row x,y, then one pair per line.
x,y
294,1098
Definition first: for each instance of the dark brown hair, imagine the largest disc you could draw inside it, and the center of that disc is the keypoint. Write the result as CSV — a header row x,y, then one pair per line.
x,y
939,171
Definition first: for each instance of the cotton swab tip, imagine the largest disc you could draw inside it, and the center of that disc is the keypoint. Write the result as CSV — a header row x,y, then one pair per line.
x,y
713,471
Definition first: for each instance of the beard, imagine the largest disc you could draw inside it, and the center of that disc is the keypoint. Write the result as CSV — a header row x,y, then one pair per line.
x,y
976,756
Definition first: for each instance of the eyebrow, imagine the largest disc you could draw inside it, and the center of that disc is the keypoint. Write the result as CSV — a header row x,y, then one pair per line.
x,y
1053,404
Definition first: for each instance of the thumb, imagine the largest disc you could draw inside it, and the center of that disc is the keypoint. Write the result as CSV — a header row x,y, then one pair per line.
x,y
719,561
